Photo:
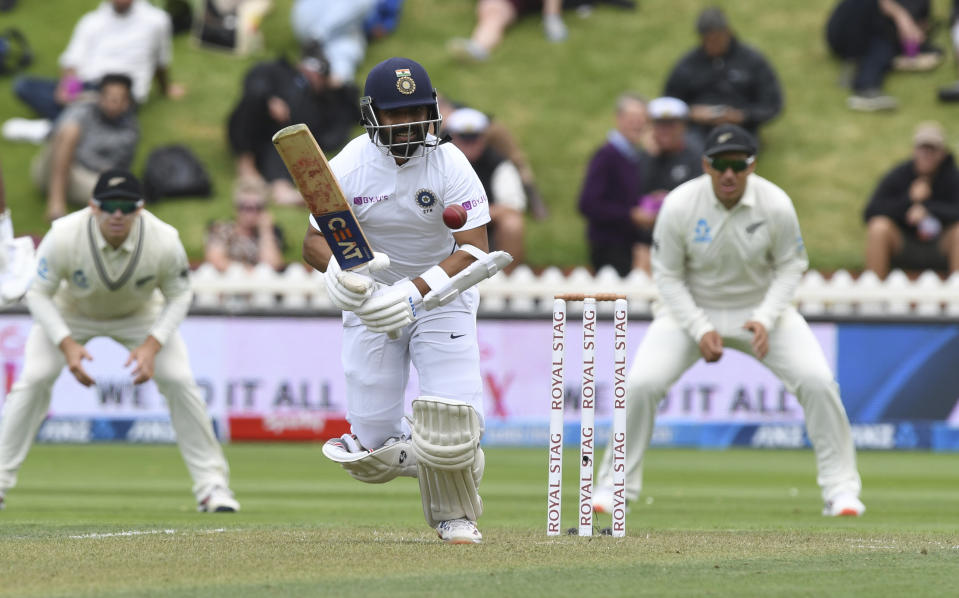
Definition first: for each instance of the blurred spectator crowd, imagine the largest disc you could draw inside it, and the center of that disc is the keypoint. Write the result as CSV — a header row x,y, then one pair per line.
x,y
87,118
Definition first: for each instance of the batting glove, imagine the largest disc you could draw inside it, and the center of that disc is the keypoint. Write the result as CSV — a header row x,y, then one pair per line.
x,y
390,309
348,290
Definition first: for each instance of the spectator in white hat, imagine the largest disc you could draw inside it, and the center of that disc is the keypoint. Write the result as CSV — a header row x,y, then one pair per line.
x,y
501,180
669,161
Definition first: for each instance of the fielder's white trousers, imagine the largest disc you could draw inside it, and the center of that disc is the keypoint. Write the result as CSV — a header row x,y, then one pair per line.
x,y
442,346
26,406
794,356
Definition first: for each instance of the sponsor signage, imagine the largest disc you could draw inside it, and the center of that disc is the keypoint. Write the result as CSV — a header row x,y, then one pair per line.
x,y
273,378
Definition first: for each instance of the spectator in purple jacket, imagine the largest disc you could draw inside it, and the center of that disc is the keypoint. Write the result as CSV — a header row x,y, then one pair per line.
x,y
912,220
619,231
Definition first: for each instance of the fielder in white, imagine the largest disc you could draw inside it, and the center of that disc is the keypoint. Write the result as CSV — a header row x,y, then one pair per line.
x,y
727,258
417,305
115,270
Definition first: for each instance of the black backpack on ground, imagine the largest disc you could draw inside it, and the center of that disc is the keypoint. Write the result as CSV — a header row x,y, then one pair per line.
x,y
15,52
175,171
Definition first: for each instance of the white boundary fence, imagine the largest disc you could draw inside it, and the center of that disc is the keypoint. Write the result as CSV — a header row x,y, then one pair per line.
x,y
524,292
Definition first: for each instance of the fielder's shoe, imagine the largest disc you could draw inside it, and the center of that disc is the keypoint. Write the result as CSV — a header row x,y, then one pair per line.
x,y
603,501
219,500
459,531
844,505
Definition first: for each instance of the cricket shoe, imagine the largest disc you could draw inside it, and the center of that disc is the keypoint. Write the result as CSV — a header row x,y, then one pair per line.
x,y
844,505
459,531
604,501
219,500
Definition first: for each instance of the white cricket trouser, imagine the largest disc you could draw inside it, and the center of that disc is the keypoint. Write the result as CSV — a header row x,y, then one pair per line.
x,y
442,345
26,406
794,356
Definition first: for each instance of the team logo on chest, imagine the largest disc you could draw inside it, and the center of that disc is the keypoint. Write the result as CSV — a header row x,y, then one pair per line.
x,y
80,279
703,234
425,199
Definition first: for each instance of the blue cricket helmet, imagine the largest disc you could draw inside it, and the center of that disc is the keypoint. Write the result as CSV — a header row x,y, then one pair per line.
x,y
400,83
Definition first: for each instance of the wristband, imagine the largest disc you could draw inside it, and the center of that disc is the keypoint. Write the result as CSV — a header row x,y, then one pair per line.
x,y
435,277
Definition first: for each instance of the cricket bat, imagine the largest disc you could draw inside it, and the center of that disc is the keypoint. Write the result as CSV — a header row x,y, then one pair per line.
x,y
323,196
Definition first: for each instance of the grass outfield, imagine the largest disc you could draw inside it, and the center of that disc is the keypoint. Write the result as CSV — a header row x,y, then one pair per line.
x,y
111,520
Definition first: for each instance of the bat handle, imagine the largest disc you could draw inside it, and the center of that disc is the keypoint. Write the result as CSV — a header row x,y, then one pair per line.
x,y
393,334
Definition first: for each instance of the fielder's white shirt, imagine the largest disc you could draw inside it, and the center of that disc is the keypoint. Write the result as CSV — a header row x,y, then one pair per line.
x,y
134,44
707,257
79,273
400,208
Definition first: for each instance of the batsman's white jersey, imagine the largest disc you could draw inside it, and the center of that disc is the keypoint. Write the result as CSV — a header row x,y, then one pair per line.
x,y
400,209
716,269
84,288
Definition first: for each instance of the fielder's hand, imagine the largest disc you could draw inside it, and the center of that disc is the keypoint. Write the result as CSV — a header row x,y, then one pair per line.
x,y
348,290
144,356
760,338
75,354
391,308
711,346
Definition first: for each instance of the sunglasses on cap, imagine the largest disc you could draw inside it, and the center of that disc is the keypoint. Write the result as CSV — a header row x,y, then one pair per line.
x,y
721,164
126,206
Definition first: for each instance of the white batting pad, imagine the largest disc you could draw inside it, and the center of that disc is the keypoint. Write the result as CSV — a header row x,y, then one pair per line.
x,y
446,436
395,458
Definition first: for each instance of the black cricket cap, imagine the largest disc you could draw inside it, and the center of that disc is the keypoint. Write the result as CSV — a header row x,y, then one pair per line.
x,y
118,184
729,138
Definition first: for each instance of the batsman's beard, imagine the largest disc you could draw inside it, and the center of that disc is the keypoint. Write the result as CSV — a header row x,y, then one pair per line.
x,y
405,139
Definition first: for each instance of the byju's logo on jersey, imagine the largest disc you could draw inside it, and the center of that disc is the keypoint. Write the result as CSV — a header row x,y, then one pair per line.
x,y
703,234
425,199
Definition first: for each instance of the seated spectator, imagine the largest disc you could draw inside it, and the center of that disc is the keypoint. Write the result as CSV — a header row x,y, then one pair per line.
x,y
338,27
383,19
950,93
612,190
724,81
91,136
500,178
494,17
872,33
277,94
912,219
501,139
251,238
132,37
667,164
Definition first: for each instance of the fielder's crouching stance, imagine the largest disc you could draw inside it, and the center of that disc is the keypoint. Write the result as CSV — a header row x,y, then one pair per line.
x,y
417,305
113,270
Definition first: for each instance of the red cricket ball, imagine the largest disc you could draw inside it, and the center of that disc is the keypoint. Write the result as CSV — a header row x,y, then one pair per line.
x,y
454,216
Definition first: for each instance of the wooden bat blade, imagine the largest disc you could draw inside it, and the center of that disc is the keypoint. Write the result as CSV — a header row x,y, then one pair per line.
x,y
323,196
